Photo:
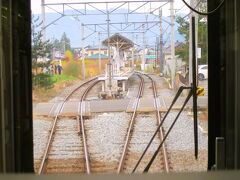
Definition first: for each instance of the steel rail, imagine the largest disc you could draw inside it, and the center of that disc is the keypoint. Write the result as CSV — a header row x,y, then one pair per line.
x,y
180,90
164,149
170,128
133,117
86,154
50,139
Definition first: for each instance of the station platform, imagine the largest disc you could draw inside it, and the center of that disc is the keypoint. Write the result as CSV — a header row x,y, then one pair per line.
x,y
72,108
124,74
118,77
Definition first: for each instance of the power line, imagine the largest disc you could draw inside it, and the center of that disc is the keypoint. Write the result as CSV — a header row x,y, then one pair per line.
x,y
191,11
204,13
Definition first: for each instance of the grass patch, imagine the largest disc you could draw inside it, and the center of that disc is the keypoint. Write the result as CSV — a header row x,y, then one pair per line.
x,y
47,86
63,77
43,92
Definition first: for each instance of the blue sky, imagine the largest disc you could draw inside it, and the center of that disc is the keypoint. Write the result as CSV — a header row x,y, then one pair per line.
x,y
36,5
73,27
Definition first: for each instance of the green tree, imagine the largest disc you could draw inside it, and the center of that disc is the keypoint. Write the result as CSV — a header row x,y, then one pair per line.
x,y
57,45
65,42
40,48
202,40
183,29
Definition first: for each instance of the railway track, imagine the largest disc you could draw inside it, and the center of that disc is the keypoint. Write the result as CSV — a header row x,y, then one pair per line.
x,y
161,132
66,150
142,127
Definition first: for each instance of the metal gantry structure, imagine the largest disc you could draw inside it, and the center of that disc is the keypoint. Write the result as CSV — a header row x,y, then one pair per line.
x,y
108,9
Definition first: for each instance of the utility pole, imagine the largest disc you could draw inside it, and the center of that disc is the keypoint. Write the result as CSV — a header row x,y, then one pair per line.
x,y
133,51
144,46
173,70
99,54
64,46
109,65
132,64
193,3
83,51
43,24
156,51
161,42
43,21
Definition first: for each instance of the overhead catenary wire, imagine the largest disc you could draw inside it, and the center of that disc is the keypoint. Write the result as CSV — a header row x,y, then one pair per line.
x,y
191,11
204,13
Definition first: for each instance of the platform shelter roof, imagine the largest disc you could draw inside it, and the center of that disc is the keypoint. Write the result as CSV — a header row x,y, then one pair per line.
x,y
119,41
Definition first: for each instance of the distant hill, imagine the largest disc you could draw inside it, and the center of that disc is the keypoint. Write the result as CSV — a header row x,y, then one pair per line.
x,y
72,28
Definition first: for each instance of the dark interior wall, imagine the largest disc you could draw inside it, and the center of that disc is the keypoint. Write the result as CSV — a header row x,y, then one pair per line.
x,y
7,124
224,81
16,96
216,78
22,86
236,127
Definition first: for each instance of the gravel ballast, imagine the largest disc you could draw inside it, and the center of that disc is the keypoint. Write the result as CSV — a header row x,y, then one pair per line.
x,y
106,133
180,144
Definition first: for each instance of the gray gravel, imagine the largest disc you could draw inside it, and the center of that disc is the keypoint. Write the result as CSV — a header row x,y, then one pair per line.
x,y
181,136
67,143
180,144
105,134
41,129
144,128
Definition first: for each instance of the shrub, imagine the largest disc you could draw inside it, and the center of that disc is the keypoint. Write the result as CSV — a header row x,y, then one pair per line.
x,y
43,81
149,68
69,56
72,68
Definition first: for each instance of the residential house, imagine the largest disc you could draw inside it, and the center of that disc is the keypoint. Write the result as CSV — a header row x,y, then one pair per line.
x,y
89,51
